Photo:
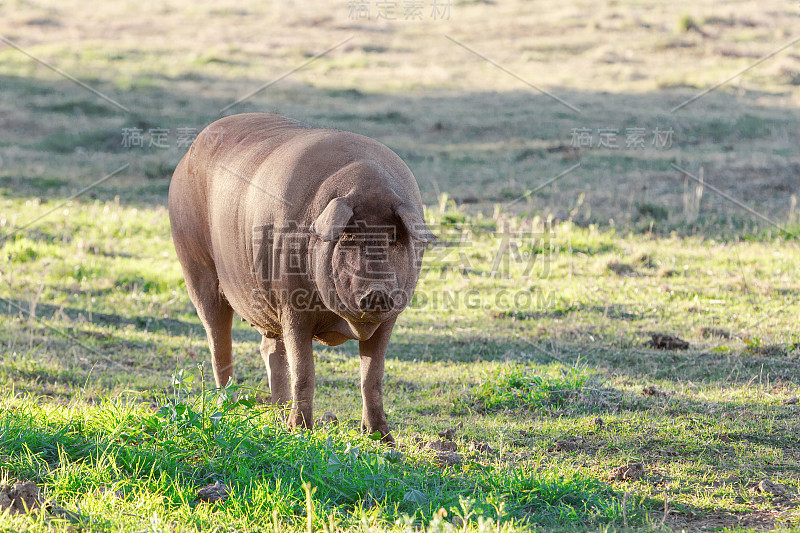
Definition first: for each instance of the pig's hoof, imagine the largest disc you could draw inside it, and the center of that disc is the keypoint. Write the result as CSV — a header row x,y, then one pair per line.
x,y
298,421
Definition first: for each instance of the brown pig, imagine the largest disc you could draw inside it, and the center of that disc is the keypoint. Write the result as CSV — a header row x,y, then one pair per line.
x,y
307,234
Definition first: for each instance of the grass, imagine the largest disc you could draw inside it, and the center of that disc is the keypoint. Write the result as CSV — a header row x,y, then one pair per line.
x,y
122,465
512,389
530,322
528,351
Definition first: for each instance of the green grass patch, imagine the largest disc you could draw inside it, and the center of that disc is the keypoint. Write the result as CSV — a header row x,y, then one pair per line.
x,y
107,140
79,107
520,388
123,464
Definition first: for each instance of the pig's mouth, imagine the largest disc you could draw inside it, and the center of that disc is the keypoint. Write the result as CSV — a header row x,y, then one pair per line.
x,y
375,301
375,304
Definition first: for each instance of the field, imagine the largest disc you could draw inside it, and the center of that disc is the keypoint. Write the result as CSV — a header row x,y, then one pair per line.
x,y
608,327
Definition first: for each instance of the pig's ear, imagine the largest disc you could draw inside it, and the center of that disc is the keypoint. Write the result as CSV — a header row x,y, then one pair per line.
x,y
330,224
415,224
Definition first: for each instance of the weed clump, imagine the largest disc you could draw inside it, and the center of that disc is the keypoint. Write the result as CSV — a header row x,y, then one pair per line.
x,y
512,389
685,24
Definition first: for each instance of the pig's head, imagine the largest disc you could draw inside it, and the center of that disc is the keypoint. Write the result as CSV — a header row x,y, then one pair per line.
x,y
367,255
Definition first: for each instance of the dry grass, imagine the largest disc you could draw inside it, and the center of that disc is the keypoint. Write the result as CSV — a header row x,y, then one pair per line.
x,y
639,249
464,126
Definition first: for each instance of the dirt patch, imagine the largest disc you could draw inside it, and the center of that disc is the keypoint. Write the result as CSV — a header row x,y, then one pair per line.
x,y
662,341
620,269
481,447
22,498
767,350
446,458
218,492
669,451
628,472
442,446
417,441
767,486
449,433
646,261
709,332
328,419
570,444
666,272
655,391
445,450
758,521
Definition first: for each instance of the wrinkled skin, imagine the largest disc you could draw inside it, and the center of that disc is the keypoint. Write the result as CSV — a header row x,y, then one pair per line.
x,y
307,234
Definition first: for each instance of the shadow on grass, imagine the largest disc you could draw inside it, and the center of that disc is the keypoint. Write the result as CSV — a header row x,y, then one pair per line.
x,y
641,364
482,148
79,315
699,366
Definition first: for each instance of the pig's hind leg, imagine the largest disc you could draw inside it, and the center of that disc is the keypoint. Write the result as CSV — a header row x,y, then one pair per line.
x,y
215,313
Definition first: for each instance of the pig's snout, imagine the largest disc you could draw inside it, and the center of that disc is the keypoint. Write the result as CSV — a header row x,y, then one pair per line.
x,y
376,301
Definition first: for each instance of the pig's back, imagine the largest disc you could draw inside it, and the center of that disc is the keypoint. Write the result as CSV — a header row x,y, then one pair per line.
x,y
202,190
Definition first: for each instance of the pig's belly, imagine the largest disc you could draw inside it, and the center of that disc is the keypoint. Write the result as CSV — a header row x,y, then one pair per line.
x,y
255,307
340,331
333,330
264,318
331,338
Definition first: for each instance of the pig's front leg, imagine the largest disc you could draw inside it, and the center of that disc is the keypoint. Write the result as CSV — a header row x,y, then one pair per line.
x,y
373,352
274,354
300,357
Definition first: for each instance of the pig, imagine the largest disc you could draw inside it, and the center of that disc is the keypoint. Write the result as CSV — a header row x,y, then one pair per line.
x,y
309,235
